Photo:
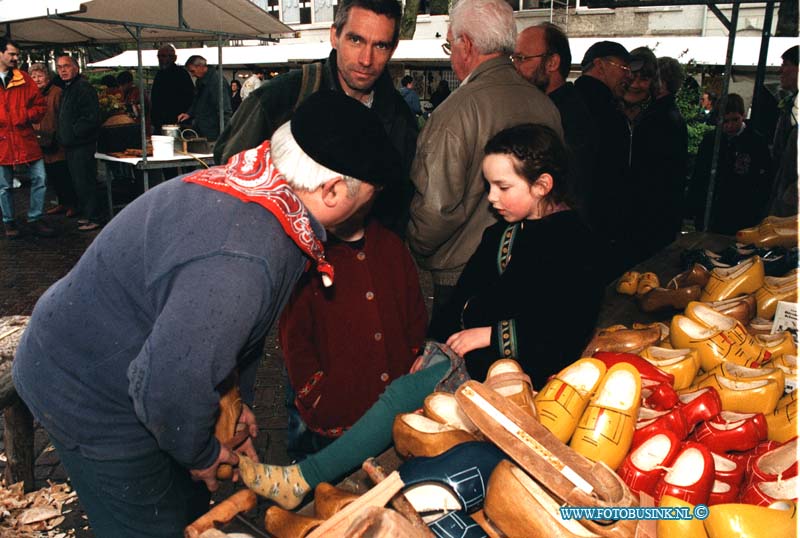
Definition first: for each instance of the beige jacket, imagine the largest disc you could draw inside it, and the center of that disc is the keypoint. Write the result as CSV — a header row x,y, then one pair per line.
x,y
450,210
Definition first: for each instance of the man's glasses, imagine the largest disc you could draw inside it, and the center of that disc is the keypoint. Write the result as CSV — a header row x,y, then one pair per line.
x,y
521,58
447,46
623,67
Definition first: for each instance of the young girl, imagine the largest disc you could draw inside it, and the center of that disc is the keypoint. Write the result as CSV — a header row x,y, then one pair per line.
x,y
530,292
537,306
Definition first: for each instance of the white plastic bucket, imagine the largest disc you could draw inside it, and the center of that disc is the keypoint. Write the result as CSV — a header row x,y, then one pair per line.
x,y
163,147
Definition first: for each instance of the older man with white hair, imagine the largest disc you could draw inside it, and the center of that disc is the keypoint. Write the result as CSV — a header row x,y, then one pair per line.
x,y
450,209
125,358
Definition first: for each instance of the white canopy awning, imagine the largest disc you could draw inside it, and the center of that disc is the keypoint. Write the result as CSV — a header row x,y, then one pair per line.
x,y
701,50
422,50
86,22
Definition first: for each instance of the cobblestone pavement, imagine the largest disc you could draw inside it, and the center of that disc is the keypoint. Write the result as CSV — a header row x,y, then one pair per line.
x,y
29,265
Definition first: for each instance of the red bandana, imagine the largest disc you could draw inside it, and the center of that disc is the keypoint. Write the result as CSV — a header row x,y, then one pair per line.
x,y
251,176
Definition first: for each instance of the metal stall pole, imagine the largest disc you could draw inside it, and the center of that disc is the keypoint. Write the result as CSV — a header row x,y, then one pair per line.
x,y
766,33
731,25
142,111
221,85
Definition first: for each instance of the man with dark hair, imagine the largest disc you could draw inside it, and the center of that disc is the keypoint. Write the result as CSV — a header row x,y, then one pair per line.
x,y
204,111
606,69
783,200
21,105
742,185
172,91
708,108
364,36
253,82
409,94
78,127
543,57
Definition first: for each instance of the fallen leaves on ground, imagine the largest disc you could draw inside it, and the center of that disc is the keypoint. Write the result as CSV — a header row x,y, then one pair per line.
x,y
35,514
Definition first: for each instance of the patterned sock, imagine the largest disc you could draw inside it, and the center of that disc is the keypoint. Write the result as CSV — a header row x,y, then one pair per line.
x,y
283,484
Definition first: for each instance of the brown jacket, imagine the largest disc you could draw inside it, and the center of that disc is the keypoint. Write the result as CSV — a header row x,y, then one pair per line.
x,y
52,95
450,209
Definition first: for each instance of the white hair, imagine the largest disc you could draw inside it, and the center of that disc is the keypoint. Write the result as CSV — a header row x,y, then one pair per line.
x,y
488,23
301,171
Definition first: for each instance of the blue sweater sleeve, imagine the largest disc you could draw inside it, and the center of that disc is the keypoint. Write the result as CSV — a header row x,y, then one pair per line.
x,y
208,310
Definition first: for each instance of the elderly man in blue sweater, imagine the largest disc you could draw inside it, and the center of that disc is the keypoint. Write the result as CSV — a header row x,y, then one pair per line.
x,y
123,358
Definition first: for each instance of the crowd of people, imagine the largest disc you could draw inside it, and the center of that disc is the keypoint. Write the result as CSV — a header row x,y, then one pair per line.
x,y
523,195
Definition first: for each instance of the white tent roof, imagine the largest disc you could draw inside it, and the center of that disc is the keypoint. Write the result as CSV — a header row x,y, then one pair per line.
x,y
29,21
702,50
407,51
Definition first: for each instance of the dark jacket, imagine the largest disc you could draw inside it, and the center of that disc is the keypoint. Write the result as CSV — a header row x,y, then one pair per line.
x,y
171,95
47,125
21,105
742,186
546,300
610,198
122,356
580,138
659,166
205,107
79,116
450,209
274,102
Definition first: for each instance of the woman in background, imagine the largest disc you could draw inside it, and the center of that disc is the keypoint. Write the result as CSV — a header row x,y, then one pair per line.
x,y
236,95
55,161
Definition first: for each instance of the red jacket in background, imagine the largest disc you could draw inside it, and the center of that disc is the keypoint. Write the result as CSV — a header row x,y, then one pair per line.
x,y
343,345
21,105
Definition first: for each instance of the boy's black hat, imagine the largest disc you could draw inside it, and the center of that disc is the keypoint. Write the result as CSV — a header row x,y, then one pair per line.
x,y
340,133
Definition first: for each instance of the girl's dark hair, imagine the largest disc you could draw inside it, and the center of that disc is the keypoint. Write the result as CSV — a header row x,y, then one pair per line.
x,y
537,150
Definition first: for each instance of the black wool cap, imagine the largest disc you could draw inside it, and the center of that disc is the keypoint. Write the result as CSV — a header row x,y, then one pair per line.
x,y
340,133
604,49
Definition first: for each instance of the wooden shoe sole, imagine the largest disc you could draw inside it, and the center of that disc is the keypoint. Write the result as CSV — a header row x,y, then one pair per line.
x,y
285,524
682,364
507,378
572,478
520,508
747,521
723,284
329,499
443,408
416,435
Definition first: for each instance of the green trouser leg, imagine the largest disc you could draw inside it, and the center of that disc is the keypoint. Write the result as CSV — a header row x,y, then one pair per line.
x,y
372,433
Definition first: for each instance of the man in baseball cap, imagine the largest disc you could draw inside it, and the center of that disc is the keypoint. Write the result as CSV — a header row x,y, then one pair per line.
x,y
124,359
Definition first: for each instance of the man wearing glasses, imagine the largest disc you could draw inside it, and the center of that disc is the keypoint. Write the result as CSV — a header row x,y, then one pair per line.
x,y
204,111
543,58
450,210
606,73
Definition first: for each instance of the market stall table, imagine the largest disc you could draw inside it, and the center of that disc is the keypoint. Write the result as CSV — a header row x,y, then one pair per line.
x,y
180,161
622,309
